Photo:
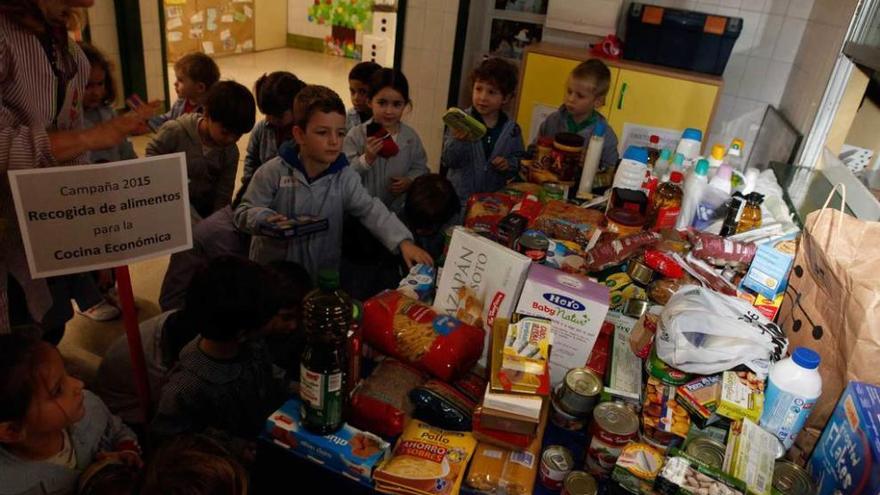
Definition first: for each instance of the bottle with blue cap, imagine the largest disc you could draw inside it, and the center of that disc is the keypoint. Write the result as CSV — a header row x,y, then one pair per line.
x,y
632,170
793,387
690,144
591,161
694,186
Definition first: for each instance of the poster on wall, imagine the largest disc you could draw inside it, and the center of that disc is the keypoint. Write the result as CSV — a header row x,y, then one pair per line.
x,y
346,18
214,27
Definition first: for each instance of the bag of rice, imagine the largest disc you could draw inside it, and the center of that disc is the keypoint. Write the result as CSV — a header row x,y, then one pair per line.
x,y
426,460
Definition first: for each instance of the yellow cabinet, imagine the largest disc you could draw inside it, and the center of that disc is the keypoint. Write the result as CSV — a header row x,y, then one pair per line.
x,y
654,100
639,94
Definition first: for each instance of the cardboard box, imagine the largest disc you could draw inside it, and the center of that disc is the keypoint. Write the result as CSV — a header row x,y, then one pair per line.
x,y
750,456
846,458
768,273
625,374
494,273
576,307
350,452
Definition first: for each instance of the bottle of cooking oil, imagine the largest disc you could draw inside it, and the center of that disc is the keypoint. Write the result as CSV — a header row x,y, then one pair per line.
x,y
667,203
751,215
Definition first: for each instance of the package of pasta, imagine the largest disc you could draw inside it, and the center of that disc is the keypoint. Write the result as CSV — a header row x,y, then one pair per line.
x,y
498,470
415,333
486,210
381,403
426,460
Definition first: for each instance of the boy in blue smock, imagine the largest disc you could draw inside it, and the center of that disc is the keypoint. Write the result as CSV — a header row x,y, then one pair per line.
x,y
585,93
313,178
487,164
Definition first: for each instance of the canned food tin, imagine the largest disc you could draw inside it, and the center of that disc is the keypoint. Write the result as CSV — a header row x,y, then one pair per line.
x,y
556,463
791,479
579,391
665,373
613,426
561,418
579,483
552,190
640,272
707,450
533,244
635,308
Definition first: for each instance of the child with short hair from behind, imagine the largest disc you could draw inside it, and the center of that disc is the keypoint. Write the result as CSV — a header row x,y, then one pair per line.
x,y
387,176
275,93
209,142
312,178
488,164
432,205
359,86
194,465
224,383
195,73
51,429
585,92
98,99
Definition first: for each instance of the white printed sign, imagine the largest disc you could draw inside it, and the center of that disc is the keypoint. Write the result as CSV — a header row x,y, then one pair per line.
x,y
90,217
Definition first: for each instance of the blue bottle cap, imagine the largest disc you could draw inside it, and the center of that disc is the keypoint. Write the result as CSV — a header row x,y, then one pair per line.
x,y
599,129
636,153
691,133
666,154
702,167
806,358
678,160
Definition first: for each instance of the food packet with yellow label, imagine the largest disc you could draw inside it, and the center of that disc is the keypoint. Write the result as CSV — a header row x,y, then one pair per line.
x,y
426,460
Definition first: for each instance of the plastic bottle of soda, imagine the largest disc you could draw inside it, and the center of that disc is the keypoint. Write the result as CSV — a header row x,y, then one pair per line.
x,y
327,312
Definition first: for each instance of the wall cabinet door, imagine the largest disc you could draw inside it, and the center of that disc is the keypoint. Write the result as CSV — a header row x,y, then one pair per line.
x,y
655,100
542,89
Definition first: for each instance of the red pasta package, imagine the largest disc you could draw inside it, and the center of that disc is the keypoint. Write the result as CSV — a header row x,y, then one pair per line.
x,y
415,333
486,210
381,403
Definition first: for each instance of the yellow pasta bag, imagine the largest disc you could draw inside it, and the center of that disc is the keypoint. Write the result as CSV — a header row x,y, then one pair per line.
x,y
426,460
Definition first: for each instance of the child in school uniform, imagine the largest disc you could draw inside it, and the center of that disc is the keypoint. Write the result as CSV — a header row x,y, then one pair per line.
x,y
195,73
275,93
314,178
585,92
209,142
51,429
98,99
224,383
359,86
488,164
387,177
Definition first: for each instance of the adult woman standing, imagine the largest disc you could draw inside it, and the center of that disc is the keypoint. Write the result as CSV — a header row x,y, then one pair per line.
x,y
42,78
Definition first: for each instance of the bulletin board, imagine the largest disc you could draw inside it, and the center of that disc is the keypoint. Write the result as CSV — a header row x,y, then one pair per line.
x,y
213,27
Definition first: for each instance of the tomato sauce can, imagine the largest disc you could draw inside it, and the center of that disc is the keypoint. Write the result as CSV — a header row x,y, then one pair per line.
x,y
556,463
613,426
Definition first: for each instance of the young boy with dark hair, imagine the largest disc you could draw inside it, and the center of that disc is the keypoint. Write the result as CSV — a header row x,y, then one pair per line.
x,y
209,142
487,164
431,205
195,73
359,86
275,93
224,382
585,92
313,178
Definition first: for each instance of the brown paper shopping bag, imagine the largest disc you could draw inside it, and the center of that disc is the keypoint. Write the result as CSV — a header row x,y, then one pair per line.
x,y
832,305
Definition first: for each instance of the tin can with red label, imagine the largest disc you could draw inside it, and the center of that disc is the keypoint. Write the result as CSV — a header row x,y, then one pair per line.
x,y
614,425
556,463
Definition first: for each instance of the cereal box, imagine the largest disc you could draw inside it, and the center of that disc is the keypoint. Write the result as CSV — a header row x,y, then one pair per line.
x,y
349,451
494,273
426,460
846,458
576,307
768,273
742,396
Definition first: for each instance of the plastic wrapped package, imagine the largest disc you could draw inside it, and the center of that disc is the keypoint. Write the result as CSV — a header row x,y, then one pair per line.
x,y
486,210
568,222
381,404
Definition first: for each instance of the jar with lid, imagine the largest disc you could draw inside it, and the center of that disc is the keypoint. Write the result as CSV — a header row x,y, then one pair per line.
x,y
751,214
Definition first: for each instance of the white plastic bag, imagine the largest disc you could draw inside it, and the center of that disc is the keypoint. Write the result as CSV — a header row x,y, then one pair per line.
x,y
702,331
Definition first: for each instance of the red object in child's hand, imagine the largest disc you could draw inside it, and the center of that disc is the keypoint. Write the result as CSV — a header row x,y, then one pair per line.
x,y
663,263
389,147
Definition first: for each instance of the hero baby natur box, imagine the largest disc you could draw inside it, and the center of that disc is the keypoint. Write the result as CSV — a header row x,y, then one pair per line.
x,y
846,458
576,307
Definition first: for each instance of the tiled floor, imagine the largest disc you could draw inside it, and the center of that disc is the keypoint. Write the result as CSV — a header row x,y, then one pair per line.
x,y
85,341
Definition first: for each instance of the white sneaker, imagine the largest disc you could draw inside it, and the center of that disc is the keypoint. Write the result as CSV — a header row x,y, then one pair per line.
x,y
103,311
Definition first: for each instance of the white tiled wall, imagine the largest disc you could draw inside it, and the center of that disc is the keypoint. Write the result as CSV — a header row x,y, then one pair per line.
x,y
429,38
151,33
102,24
